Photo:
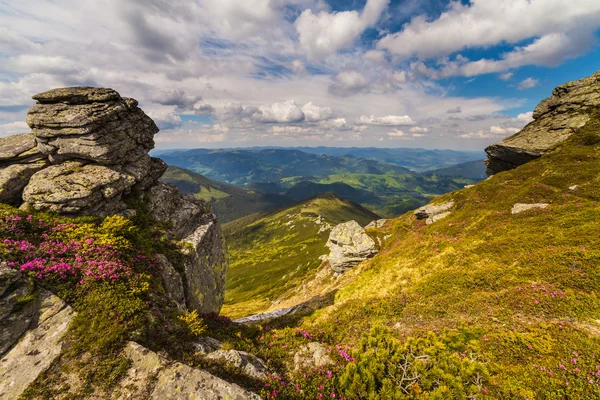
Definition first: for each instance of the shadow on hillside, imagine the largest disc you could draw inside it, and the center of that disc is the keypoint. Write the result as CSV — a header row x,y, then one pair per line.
x,y
304,309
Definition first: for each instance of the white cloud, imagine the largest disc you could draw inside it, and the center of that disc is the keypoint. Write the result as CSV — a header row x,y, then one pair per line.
x,y
499,130
12,128
395,133
286,111
314,113
348,82
525,117
455,110
323,33
418,129
175,97
507,76
528,83
389,120
483,23
203,110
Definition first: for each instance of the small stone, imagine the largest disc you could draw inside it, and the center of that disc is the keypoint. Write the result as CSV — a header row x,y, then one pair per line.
x,y
574,187
520,207
376,224
434,212
310,356
205,345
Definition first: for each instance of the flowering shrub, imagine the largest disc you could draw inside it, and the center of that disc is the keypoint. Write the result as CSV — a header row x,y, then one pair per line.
x,y
82,252
194,323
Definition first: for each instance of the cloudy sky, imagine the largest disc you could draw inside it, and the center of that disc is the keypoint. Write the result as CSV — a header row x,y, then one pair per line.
x,y
237,73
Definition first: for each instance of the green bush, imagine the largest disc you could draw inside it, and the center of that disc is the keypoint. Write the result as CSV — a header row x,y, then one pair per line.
x,y
418,368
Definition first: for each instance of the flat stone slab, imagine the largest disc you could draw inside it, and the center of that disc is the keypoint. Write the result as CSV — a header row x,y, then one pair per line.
x,y
520,207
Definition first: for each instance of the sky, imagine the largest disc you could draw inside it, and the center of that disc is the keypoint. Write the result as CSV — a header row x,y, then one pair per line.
x,y
348,73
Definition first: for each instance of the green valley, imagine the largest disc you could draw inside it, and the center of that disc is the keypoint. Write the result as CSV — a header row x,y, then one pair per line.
x,y
274,253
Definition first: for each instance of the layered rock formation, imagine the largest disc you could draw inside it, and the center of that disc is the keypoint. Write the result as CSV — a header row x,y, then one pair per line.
x,y
87,153
555,119
434,212
349,245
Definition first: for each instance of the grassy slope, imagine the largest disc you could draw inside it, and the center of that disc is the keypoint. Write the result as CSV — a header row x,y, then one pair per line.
x,y
525,286
391,194
271,254
228,202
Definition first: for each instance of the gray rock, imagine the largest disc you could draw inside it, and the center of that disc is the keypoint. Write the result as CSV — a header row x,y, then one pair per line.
x,y
520,207
37,349
20,148
14,178
269,315
205,345
251,365
153,377
434,212
349,245
555,119
77,188
91,124
379,223
310,356
171,280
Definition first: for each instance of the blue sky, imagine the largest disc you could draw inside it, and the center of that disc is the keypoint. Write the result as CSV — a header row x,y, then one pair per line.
x,y
227,73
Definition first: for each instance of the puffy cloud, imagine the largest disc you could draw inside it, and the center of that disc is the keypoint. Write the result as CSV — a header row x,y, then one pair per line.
x,y
165,119
499,130
203,110
323,33
13,128
175,97
287,111
528,83
507,76
390,120
314,113
418,129
395,133
348,82
485,23
455,110
525,117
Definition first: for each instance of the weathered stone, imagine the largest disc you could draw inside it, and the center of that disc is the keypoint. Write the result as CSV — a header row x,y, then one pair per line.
x,y
520,207
249,364
205,266
14,178
310,356
205,345
153,377
434,212
20,148
269,315
76,188
182,213
37,349
349,245
91,124
555,119
171,281
379,223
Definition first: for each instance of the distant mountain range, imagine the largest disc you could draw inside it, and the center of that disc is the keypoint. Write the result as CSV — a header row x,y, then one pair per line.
x,y
417,160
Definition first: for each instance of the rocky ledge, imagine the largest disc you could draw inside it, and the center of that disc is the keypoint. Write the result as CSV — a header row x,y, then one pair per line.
x,y
555,119
87,154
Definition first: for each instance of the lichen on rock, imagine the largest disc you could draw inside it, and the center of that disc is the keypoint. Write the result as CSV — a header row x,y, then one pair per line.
x,y
349,245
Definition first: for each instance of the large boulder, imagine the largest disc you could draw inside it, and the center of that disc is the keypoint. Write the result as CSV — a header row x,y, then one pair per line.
x,y
349,245
555,119
91,124
434,212
74,187
20,148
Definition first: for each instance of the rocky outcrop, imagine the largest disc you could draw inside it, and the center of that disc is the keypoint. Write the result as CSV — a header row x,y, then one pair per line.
x,y
378,223
151,376
434,212
555,119
247,363
349,245
32,326
87,154
520,207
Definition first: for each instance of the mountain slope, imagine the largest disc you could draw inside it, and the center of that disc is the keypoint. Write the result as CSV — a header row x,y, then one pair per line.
x,y
471,170
239,167
492,304
228,202
270,254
